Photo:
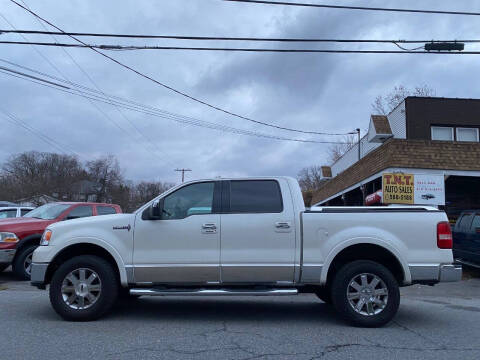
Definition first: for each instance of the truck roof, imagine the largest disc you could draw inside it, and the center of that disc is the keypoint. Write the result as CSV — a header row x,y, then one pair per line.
x,y
83,203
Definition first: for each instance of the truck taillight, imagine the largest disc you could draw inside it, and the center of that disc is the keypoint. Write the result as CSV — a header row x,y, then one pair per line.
x,y
444,235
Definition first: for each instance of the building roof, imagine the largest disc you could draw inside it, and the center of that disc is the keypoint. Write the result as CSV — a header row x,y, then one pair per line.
x,y
326,171
381,124
402,153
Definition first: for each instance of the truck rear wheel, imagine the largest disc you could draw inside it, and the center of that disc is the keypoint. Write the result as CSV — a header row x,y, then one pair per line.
x,y
365,293
84,288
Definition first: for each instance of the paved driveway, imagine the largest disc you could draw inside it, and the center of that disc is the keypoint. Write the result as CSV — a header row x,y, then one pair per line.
x,y
441,322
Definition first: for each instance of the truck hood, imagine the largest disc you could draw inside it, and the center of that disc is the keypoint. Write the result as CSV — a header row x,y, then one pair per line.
x,y
104,222
22,224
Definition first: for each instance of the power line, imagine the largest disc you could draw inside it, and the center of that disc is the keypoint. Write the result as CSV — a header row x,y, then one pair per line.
x,y
95,105
327,51
264,2
229,38
47,139
170,87
33,47
145,109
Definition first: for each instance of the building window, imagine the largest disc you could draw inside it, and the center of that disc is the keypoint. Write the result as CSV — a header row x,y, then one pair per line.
x,y
442,133
467,134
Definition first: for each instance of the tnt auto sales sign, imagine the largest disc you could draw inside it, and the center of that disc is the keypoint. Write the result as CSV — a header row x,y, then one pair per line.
x,y
419,189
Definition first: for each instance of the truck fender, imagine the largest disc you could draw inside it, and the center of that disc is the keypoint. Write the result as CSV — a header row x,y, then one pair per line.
x,y
34,238
107,247
364,240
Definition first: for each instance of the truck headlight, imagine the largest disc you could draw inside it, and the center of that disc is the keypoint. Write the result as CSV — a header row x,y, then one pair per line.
x,y
8,237
47,235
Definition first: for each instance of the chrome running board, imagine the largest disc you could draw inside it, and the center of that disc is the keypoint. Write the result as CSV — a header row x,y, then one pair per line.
x,y
211,292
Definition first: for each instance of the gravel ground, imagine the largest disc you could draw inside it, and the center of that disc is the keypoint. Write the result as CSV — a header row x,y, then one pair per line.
x,y
441,322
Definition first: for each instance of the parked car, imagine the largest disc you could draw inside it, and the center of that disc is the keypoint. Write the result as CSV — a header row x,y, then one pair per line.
x,y
466,238
14,211
20,236
245,237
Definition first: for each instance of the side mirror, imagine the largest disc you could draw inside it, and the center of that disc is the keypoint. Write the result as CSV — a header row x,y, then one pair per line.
x,y
155,210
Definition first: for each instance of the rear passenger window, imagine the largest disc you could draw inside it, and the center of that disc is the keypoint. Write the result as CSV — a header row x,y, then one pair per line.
x,y
8,213
25,211
476,222
255,196
464,222
79,212
105,210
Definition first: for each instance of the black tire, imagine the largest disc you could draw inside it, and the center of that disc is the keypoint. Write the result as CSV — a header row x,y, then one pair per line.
x,y
18,265
340,286
109,288
324,294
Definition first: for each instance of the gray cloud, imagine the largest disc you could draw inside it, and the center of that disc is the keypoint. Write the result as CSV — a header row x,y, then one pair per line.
x,y
317,92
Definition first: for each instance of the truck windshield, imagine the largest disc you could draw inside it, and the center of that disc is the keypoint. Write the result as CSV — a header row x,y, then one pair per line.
x,y
48,211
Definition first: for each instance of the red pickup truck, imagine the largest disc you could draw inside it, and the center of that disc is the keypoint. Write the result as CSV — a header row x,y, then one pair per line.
x,y
19,237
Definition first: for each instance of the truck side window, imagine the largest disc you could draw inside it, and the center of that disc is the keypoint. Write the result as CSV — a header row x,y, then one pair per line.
x,y
255,196
25,211
79,212
464,223
11,213
475,223
105,210
192,199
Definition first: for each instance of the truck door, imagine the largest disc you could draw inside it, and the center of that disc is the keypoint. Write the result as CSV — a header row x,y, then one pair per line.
x,y
184,245
258,232
462,227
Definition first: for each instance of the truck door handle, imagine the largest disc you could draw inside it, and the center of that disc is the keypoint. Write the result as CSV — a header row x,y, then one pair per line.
x,y
209,228
282,225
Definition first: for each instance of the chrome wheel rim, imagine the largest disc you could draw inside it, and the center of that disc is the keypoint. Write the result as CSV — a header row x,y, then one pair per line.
x,y
81,288
27,264
367,294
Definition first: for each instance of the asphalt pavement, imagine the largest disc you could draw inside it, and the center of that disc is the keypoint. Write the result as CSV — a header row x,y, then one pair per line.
x,y
441,322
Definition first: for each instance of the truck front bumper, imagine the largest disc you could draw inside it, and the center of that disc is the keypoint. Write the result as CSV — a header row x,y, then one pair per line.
x,y
38,275
6,256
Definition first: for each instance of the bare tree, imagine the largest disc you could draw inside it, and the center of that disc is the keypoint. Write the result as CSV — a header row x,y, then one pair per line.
x,y
107,174
336,151
34,173
146,191
310,178
383,105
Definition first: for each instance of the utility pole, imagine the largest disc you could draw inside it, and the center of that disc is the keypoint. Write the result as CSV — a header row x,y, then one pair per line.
x,y
183,173
359,152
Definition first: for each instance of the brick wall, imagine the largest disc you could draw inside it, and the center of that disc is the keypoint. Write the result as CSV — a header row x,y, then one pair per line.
x,y
423,154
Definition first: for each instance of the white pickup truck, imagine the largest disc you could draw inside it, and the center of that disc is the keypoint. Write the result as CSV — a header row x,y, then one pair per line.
x,y
249,236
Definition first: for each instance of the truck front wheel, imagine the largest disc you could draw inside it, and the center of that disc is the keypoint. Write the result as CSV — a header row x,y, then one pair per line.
x,y
84,288
22,264
365,293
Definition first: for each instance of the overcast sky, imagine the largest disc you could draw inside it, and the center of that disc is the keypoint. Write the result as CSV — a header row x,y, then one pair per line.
x,y
318,92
